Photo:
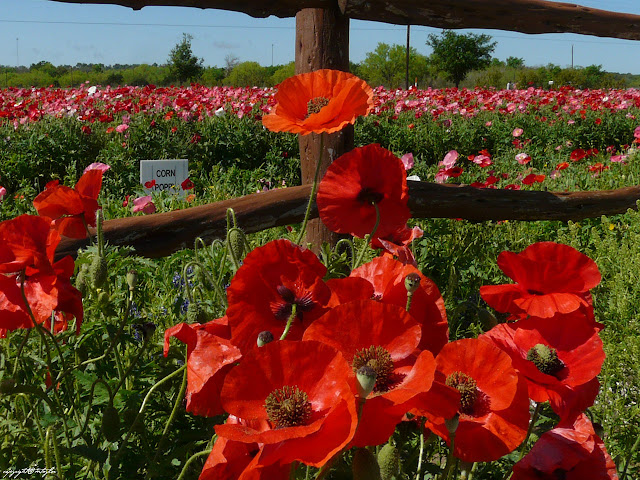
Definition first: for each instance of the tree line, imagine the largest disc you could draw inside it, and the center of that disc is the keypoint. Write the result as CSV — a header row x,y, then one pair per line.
x,y
461,60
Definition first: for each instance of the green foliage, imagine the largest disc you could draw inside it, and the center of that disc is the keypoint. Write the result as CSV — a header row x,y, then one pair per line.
x,y
386,65
284,72
457,54
248,74
183,64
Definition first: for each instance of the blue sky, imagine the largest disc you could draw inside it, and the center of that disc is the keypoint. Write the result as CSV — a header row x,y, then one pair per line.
x,y
35,30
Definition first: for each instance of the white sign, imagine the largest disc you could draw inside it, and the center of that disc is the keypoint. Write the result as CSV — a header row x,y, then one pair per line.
x,y
161,175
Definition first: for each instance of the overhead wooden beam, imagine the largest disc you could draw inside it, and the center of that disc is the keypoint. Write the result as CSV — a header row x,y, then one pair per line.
x,y
161,234
526,16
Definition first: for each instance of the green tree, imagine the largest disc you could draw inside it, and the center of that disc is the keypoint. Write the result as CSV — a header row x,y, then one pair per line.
x,y
283,72
183,64
456,54
386,65
248,74
515,62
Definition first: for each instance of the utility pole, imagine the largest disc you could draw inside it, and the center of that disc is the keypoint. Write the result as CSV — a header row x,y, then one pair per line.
x,y
272,54
572,56
406,76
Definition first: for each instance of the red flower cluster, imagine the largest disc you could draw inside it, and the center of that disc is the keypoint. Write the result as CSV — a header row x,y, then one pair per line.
x,y
28,272
554,345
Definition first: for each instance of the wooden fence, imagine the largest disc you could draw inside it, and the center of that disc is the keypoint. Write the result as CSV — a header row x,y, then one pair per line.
x,y
322,41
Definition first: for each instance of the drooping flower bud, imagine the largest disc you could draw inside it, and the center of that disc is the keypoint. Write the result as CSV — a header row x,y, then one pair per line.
x,y
196,314
111,424
366,377
81,279
264,338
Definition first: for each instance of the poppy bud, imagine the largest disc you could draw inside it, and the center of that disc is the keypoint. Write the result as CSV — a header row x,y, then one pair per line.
x,y
389,462
98,271
111,424
236,241
132,279
412,282
264,338
366,380
487,319
195,313
81,279
365,465
452,424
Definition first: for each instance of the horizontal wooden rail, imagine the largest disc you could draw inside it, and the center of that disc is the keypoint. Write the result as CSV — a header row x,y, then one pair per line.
x,y
526,16
161,234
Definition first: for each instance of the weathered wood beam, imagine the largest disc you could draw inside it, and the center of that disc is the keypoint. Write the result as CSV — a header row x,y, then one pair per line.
x,y
322,41
526,16
161,234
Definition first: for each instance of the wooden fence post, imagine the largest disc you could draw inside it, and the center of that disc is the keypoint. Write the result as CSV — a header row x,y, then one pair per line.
x,y
322,41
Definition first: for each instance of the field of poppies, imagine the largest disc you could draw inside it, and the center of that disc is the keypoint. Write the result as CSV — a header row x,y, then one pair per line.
x,y
414,348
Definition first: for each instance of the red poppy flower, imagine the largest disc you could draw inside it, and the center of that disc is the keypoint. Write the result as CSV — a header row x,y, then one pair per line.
x,y
187,184
427,306
231,460
150,183
494,407
598,167
533,178
72,208
554,356
28,248
562,166
571,452
578,154
398,243
354,183
302,390
272,280
550,278
320,101
210,356
383,337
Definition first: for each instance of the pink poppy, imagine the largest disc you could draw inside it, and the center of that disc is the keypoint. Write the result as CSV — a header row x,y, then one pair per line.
x,y
407,161
517,132
103,167
144,205
449,159
122,128
3,192
523,158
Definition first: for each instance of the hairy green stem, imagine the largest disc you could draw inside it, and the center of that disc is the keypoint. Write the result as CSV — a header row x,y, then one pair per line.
x,y
421,454
294,309
368,238
144,406
314,190
167,426
192,459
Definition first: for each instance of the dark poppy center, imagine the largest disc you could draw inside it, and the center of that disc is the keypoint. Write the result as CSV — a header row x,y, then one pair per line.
x,y
545,359
468,389
316,104
282,309
369,196
288,407
535,292
379,360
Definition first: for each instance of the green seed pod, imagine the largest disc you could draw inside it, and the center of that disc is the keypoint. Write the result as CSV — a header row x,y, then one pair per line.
x,y
132,279
82,283
487,319
196,314
389,462
365,466
98,271
111,424
103,299
236,241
